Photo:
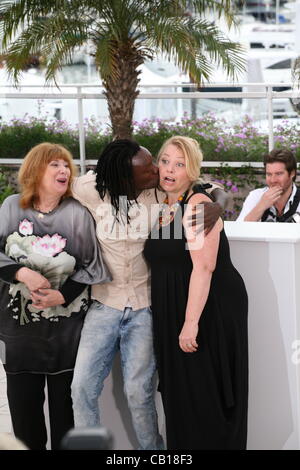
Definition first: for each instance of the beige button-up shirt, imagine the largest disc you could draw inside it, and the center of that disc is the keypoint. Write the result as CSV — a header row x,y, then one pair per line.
x,y
122,244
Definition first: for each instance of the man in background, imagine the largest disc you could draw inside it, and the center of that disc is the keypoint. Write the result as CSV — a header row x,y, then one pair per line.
x,y
279,200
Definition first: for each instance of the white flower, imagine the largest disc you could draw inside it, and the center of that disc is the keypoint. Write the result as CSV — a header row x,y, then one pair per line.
x,y
38,253
59,241
48,246
15,251
26,227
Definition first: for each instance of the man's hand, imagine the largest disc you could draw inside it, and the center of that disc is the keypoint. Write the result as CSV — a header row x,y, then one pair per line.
x,y
212,211
45,298
204,216
270,197
32,279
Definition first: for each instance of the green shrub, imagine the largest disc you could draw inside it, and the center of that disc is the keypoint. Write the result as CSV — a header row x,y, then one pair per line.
x,y
219,141
19,135
5,188
237,182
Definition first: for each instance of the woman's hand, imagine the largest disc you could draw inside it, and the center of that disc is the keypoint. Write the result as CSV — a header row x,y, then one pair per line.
x,y
32,279
45,298
187,337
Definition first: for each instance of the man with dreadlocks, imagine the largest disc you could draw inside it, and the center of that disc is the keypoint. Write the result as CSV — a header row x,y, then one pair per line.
x,y
123,200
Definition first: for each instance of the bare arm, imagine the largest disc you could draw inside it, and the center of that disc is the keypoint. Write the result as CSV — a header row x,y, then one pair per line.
x,y
41,294
204,254
32,279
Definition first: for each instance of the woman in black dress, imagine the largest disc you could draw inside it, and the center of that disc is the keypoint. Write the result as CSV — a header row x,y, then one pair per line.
x,y
199,305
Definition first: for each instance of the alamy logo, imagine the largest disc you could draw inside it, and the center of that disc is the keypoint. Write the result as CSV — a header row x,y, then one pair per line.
x,y
144,222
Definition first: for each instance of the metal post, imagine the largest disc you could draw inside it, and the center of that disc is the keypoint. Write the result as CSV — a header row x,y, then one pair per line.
x,y
277,11
179,105
270,117
297,28
81,132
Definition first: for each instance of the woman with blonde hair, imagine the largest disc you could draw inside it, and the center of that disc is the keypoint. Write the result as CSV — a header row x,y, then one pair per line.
x,y
199,306
48,256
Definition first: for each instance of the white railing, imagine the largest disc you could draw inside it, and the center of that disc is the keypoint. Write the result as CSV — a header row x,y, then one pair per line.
x,y
260,91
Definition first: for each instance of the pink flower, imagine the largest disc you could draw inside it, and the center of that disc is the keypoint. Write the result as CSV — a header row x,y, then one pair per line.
x,y
26,227
49,246
240,135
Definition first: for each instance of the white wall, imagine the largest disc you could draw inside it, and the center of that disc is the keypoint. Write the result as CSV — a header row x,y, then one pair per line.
x,y
267,255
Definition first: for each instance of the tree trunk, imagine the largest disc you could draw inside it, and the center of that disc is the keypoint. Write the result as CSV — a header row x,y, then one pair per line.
x,y
121,92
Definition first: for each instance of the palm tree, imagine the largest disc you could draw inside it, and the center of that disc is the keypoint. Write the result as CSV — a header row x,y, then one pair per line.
x,y
122,34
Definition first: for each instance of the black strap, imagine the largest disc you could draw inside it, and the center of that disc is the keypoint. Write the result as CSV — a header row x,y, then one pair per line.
x,y
284,217
202,186
185,197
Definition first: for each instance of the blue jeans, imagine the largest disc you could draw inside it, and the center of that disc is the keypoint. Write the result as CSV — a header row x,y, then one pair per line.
x,y
106,330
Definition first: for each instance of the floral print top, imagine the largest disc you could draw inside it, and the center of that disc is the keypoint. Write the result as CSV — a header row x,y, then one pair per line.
x,y
62,246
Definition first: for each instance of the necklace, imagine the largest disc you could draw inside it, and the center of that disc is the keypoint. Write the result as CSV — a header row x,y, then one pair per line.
x,y
167,213
41,214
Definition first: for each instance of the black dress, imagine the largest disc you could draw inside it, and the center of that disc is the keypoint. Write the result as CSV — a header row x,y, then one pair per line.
x,y
205,394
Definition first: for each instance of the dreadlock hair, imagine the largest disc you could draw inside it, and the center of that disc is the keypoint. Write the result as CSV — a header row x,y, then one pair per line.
x,y
114,174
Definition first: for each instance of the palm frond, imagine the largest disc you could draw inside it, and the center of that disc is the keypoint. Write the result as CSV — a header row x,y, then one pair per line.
x,y
52,38
105,58
195,44
124,33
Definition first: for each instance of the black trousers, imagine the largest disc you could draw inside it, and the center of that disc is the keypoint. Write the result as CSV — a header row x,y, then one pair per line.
x,y
26,399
